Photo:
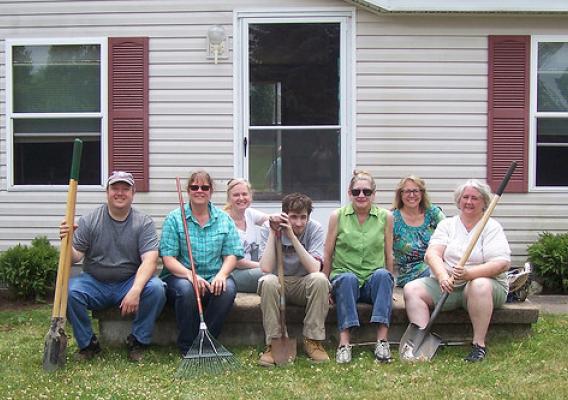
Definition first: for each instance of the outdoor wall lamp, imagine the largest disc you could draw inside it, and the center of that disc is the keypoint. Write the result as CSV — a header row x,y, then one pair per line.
x,y
216,43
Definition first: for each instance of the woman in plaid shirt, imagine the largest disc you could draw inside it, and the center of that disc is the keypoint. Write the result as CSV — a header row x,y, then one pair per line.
x,y
215,246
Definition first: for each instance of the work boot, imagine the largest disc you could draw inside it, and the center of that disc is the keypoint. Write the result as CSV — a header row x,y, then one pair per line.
x,y
315,350
266,359
382,351
135,349
477,353
89,352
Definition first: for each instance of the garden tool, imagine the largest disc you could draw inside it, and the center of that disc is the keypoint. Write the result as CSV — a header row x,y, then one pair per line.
x,y
54,354
206,355
419,344
283,348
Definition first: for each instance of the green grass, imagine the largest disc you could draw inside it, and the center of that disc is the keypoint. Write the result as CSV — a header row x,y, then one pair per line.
x,y
531,368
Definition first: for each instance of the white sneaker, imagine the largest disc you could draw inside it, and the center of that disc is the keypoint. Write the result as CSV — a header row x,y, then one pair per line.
x,y
343,354
382,351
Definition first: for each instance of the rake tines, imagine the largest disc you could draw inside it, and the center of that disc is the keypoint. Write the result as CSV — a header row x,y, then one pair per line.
x,y
206,356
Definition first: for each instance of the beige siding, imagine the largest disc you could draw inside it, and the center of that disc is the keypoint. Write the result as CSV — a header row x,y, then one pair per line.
x,y
422,109
420,84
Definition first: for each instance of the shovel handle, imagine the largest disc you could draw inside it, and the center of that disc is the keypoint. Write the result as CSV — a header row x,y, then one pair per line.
x,y
65,251
475,237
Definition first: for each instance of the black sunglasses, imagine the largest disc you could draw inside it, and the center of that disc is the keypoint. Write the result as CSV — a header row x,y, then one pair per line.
x,y
357,192
195,188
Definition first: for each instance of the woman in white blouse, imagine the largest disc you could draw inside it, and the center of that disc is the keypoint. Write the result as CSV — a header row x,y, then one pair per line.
x,y
480,285
246,218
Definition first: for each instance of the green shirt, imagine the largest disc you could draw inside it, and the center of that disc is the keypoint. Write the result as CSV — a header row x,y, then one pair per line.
x,y
359,248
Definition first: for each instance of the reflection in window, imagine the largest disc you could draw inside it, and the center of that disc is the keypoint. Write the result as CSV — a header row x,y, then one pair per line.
x,y
56,97
552,129
293,89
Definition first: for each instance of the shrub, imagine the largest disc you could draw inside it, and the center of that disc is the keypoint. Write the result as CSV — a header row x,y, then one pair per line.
x,y
549,255
30,271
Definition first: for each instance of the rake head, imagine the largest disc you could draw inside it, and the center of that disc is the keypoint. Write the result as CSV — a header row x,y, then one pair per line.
x,y
206,356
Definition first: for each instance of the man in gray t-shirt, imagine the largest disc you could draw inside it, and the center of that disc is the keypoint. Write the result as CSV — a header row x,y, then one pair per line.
x,y
305,284
119,248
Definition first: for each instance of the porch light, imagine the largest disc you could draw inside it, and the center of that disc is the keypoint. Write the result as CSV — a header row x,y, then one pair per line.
x,y
216,43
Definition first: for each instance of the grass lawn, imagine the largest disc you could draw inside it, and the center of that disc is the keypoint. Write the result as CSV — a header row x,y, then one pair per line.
x,y
530,368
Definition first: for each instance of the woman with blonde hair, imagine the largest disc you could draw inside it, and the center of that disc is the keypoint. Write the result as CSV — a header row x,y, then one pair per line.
x,y
246,218
415,219
358,259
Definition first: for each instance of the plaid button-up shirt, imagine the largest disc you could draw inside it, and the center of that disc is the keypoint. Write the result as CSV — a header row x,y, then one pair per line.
x,y
209,244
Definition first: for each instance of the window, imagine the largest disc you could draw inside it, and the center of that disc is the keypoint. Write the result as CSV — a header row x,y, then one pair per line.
x,y
55,94
549,139
294,102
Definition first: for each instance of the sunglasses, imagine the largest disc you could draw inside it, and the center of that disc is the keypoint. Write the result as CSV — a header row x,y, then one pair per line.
x,y
195,188
357,192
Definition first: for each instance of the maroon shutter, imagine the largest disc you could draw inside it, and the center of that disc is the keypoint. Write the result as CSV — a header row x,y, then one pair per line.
x,y
508,110
128,108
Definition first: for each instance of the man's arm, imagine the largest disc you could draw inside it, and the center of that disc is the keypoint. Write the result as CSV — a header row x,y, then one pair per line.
x,y
268,259
63,232
309,262
147,268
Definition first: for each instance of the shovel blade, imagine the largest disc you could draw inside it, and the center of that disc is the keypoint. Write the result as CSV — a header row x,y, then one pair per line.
x,y
284,350
55,346
418,345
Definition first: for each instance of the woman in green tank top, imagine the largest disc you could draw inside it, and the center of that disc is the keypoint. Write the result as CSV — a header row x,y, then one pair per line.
x,y
358,258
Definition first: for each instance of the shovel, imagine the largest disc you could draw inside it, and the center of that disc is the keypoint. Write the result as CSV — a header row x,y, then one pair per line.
x,y
55,346
283,348
418,344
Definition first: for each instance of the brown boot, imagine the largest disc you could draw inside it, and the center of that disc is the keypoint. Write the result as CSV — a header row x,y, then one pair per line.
x,y
266,359
135,349
315,350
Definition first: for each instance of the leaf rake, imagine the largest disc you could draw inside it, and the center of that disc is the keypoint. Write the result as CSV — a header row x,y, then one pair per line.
x,y
206,355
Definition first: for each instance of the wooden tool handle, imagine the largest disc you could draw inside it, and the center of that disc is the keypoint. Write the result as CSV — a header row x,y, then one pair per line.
x,y
65,251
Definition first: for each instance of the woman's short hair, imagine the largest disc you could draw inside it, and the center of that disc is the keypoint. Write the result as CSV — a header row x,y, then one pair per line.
x,y
481,187
297,202
424,202
361,175
231,185
200,175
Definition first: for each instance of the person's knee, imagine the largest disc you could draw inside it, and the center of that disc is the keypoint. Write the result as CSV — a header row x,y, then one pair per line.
x,y
318,279
346,279
269,285
155,290
382,275
480,288
413,291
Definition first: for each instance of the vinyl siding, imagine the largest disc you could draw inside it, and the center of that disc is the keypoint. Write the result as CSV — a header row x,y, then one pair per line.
x,y
421,103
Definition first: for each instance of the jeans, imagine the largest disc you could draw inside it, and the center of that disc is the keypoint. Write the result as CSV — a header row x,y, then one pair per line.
x,y
87,293
377,290
247,279
180,293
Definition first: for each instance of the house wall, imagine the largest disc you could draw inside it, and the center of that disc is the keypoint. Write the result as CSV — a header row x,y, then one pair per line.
x,y
421,87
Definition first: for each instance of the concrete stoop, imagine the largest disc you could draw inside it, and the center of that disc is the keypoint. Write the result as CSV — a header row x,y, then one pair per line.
x,y
244,324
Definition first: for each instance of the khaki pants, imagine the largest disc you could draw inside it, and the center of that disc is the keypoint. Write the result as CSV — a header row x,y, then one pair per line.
x,y
311,291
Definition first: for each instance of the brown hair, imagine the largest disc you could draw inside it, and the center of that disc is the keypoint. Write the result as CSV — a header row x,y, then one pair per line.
x,y
297,202
200,174
424,202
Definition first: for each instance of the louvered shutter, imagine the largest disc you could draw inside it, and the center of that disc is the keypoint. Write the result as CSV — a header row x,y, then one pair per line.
x,y
508,110
128,108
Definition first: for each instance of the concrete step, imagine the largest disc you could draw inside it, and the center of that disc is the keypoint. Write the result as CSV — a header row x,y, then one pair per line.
x,y
244,324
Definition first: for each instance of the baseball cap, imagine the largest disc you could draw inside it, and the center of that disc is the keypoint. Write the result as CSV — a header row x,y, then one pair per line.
x,y
120,176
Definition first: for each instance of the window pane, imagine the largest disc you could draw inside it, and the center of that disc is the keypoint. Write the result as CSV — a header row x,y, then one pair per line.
x,y
286,161
294,74
62,78
552,91
552,152
43,150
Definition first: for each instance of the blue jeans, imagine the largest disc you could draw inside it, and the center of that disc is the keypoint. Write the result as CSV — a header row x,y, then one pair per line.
x,y
180,293
88,293
377,290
